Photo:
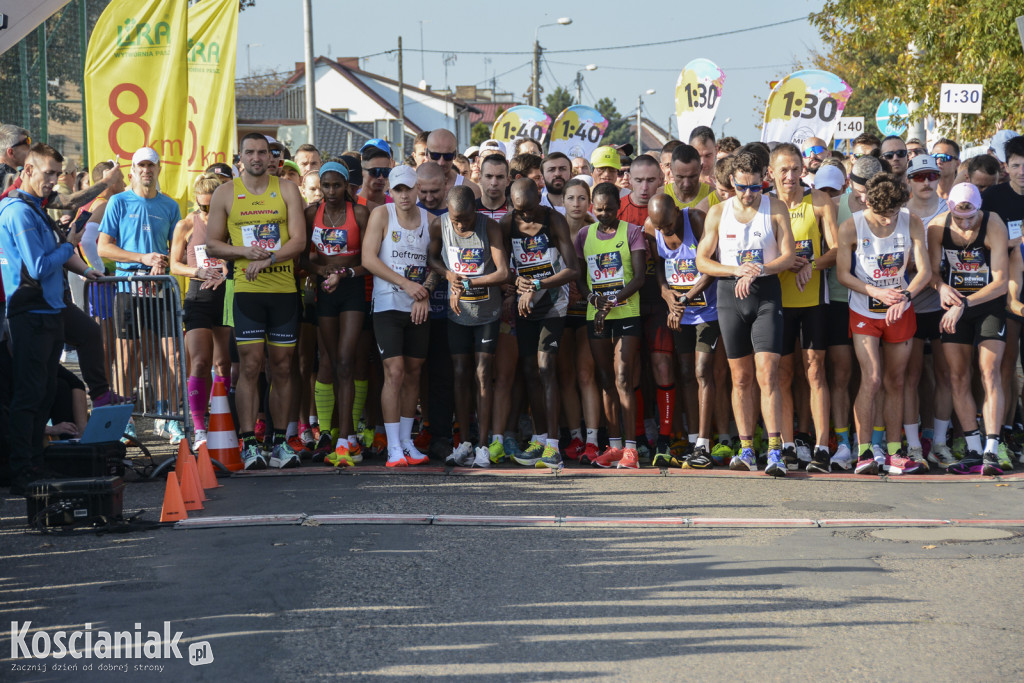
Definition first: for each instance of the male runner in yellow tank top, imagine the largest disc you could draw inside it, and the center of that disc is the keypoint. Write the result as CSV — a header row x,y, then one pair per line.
x,y
686,188
263,219
812,218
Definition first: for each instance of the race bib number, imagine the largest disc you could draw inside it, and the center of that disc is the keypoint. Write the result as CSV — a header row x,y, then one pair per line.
x,y
887,267
266,236
876,306
532,257
1014,228
329,241
681,275
466,261
755,256
968,271
204,261
606,272
805,249
417,274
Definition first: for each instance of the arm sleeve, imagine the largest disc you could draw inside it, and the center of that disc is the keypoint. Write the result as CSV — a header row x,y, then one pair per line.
x,y
89,246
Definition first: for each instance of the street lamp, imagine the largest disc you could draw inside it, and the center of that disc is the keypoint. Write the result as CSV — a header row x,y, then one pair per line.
x,y
579,81
724,124
248,58
535,89
639,108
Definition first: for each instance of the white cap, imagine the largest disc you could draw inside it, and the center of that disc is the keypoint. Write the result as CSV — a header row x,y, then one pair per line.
x,y
145,154
498,145
470,151
829,176
998,143
402,175
589,180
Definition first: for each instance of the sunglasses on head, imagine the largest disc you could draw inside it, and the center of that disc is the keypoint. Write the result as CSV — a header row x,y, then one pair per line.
x,y
943,157
930,176
447,156
811,151
378,172
27,142
896,154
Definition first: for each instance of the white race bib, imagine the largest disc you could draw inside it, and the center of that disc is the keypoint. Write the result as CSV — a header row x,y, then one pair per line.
x,y
266,236
204,261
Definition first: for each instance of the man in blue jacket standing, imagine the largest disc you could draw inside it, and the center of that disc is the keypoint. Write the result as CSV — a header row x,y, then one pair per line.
x,y
32,258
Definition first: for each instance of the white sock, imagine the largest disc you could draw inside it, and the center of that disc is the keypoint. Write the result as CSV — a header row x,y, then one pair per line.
x,y
631,444
991,445
342,441
706,443
592,436
392,431
615,442
312,419
540,438
496,438
553,443
352,440
913,440
724,438
973,442
293,430
405,432
693,438
941,427
789,444
577,434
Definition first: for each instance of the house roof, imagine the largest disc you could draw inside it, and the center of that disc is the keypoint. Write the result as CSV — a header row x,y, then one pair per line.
x,y
489,111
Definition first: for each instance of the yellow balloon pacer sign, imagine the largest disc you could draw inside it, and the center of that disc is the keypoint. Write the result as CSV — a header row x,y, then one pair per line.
x,y
137,86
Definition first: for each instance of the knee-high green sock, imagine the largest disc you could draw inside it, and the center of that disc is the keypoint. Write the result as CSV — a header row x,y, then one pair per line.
x,y
323,396
359,402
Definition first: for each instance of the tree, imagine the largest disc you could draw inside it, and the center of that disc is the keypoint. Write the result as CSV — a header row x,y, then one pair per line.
x,y
556,102
618,126
926,43
480,132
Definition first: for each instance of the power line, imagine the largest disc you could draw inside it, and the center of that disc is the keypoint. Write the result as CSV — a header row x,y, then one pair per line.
x,y
641,68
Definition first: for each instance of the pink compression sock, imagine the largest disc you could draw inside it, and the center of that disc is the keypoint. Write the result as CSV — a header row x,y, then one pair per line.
x,y
198,399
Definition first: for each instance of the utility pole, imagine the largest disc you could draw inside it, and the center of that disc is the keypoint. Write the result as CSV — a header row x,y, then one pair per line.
x,y
579,87
639,106
401,105
535,87
307,22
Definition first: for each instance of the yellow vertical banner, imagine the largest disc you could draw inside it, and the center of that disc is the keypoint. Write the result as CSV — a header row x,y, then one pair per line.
x,y
136,86
212,34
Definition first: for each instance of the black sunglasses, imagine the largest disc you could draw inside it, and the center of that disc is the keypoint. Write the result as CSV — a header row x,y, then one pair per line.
x,y
897,154
205,208
447,156
27,142
378,172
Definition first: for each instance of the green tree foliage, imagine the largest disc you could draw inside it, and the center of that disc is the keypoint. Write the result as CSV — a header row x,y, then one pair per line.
x,y
908,48
557,101
480,132
618,126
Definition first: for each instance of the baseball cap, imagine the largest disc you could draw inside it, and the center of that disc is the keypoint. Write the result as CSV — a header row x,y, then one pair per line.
x,y
335,166
402,175
292,165
604,157
589,180
964,193
492,144
145,154
998,143
624,148
470,151
922,163
829,176
382,145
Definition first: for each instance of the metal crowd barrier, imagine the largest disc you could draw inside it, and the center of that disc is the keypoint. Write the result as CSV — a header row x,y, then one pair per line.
x,y
144,344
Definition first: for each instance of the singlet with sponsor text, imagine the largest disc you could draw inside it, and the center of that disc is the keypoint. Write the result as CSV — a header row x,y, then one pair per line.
x,y
879,261
405,252
681,275
260,219
752,242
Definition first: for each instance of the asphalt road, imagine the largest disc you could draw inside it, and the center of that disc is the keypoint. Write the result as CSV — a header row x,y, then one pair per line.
x,y
401,602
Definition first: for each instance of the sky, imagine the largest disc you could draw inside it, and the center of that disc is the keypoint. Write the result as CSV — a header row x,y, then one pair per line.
x,y
750,59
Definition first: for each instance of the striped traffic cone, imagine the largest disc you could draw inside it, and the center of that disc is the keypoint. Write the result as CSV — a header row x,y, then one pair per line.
x,y
221,440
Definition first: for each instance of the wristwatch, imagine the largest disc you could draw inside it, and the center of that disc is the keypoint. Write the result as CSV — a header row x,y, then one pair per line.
x,y
536,285
906,293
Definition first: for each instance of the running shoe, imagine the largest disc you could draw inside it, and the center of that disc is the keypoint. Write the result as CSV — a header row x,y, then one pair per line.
x,y
355,451
663,452
698,460
295,443
820,462
746,461
1010,437
971,463
368,437
589,454
315,430
200,438
284,456
323,446
917,455
483,457
680,448
721,454
260,429
412,454
380,443
497,452
574,449
307,439
959,447
991,466
550,458
1003,455
941,455
531,456
866,464
160,429
339,457
803,450
253,459
462,456
608,458
643,450
129,432
423,439
630,460
174,432
396,458
510,445
843,458
776,466
897,464
789,458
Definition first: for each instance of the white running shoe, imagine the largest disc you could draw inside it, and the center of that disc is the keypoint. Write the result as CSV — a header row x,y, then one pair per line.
x,y
483,457
461,456
200,438
843,457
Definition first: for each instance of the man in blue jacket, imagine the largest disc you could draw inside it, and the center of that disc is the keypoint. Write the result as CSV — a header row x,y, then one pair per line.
x,y
32,258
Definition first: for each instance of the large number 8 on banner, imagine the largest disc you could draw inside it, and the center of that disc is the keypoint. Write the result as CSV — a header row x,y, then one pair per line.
x,y
142,104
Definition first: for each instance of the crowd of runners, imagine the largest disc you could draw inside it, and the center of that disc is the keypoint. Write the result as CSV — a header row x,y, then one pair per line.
x,y
765,307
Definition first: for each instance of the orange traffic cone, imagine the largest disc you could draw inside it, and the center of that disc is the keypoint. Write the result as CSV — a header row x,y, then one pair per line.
x,y
186,468
174,507
190,492
207,477
221,440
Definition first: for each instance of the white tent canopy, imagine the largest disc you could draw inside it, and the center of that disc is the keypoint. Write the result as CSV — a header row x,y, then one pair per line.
x,y
23,16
